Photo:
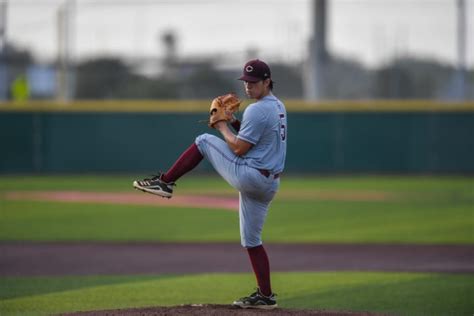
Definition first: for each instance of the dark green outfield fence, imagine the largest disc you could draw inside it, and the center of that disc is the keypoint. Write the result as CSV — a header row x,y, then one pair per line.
x,y
336,141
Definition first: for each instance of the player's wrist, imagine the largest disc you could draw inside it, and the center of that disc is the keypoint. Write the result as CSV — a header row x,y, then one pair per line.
x,y
220,124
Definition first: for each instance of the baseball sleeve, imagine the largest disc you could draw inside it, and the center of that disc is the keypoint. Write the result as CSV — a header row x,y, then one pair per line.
x,y
253,125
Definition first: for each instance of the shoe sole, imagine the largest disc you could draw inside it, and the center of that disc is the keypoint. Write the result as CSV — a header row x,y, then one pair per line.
x,y
155,192
267,307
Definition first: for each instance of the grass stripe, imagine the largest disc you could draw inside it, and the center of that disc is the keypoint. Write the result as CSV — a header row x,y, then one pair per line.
x,y
398,293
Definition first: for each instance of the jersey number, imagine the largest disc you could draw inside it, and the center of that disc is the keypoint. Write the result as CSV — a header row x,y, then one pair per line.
x,y
282,127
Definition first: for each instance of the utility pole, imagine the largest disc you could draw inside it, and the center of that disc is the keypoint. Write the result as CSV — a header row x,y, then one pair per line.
x,y
318,55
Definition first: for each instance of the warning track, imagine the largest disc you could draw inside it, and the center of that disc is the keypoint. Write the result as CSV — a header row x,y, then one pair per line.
x,y
85,258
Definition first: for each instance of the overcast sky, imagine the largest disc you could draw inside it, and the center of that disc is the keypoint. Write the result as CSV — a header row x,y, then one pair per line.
x,y
371,31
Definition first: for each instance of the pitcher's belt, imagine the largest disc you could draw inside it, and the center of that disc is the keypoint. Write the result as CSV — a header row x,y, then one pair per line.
x,y
267,173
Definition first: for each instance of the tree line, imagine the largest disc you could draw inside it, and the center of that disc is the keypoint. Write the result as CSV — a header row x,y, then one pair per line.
x,y
112,78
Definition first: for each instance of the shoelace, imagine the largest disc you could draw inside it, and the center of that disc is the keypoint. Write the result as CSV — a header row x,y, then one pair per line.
x,y
272,296
257,292
158,177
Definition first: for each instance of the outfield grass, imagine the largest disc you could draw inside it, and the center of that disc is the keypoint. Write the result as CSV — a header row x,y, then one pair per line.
x,y
444,185
347,222
397,293
417,210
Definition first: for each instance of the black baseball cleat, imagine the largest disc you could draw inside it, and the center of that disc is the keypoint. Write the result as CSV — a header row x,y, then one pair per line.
x,y
257,300
155,186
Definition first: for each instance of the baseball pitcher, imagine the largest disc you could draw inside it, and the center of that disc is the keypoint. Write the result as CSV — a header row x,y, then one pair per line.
x,y
251,160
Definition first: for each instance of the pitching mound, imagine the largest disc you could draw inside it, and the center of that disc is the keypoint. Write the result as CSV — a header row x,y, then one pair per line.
x,y
215,310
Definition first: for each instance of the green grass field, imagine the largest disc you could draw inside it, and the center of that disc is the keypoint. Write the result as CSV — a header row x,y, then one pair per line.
x,y
428,210
397,293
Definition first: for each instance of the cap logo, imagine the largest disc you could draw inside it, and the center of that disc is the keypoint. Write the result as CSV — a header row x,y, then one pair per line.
x,y
249,68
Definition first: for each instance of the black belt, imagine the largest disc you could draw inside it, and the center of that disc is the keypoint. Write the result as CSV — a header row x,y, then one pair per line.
x,y
267,173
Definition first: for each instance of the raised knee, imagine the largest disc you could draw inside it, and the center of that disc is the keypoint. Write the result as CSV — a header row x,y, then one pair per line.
x,y
202,137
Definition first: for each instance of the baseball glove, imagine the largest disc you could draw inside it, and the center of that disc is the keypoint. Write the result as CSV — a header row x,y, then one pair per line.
x,y
222,108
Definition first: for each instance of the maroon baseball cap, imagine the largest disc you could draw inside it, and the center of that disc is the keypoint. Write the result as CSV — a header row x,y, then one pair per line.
x,y
255,70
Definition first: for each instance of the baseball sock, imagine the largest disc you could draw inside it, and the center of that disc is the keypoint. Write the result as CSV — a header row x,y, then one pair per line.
x,y
188,160
261,267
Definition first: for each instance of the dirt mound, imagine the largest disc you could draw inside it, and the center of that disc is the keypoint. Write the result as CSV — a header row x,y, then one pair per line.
x,y
214,310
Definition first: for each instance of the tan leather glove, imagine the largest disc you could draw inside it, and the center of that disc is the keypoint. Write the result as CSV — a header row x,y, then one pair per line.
x,y
222,108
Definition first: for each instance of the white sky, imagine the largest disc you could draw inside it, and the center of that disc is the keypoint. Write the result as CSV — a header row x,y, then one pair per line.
x,y
371,31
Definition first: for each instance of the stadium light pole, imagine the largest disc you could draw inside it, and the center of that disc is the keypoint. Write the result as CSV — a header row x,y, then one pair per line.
x,y
3,52
461,47
3,26
318,54
66,32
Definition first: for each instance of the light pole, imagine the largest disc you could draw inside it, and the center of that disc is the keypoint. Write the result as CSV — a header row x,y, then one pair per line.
x,y
66,68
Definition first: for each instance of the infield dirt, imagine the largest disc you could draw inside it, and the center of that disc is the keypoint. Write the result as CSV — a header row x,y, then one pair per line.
x,y
215,310
98,258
